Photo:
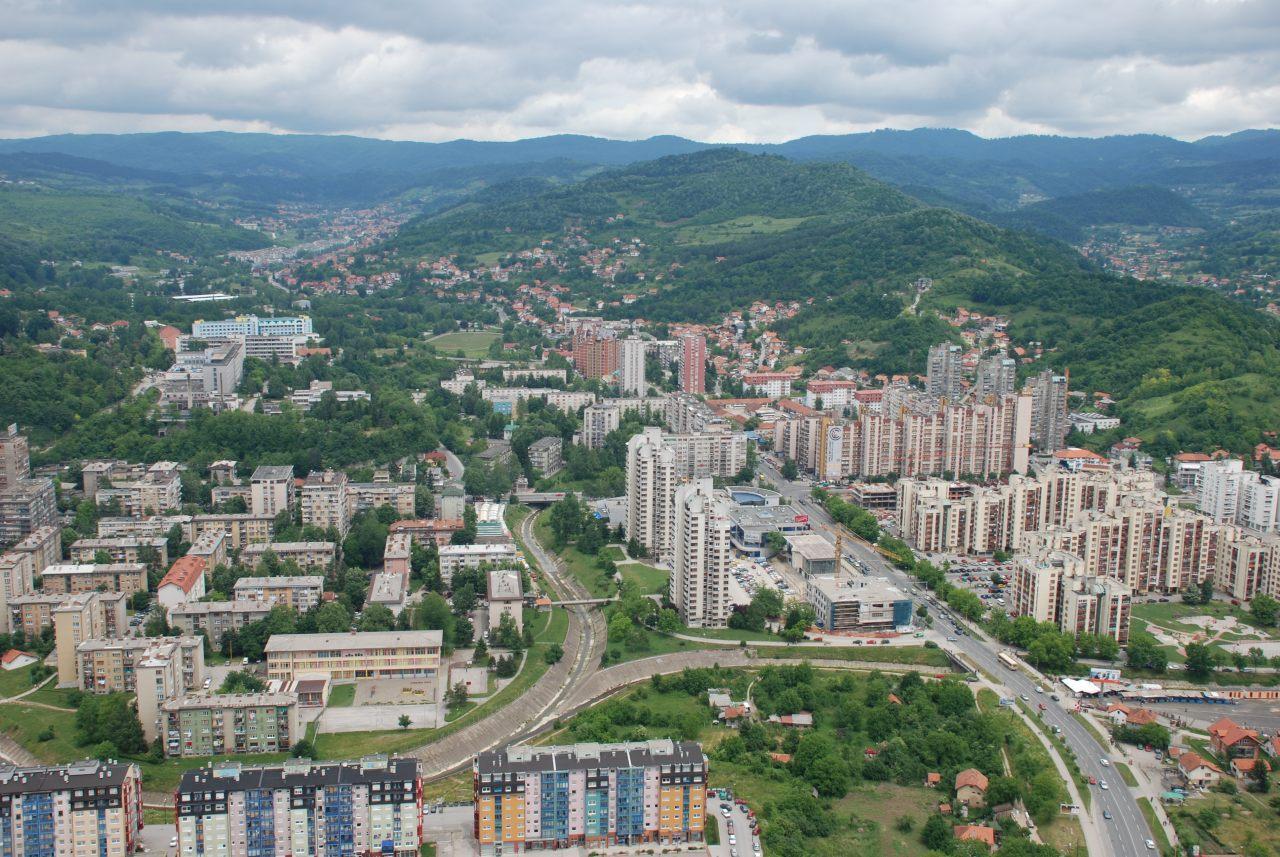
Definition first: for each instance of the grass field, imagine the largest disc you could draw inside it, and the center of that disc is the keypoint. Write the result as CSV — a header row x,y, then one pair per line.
x,y
1157,831
649,580
885,655
473,344
1243,822
1066,835
578,564
739,227
14,682
342,696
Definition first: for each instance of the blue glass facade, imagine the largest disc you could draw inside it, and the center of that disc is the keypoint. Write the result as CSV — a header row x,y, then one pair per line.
x,y
260,823
339,830
38,834
554,819
630,805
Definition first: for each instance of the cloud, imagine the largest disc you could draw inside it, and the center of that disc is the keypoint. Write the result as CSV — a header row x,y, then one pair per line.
x,y
730,70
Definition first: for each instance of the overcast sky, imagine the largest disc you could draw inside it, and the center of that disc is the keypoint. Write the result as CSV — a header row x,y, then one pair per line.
x,y
714,70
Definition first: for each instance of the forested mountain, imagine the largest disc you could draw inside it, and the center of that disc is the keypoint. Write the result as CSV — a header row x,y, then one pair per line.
x,y
997,174
1066,217
656,198
63,225
850,249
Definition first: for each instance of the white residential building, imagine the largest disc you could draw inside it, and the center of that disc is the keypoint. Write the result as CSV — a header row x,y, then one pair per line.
x,y
700,556
631,378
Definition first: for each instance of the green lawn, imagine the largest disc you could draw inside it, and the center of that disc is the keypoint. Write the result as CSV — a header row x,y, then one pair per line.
x,y
473,344
342,696
647,644
455,788
649,580
578,564
732,634
886,654
1092,730
1157,830
739,227
14,682
1127,775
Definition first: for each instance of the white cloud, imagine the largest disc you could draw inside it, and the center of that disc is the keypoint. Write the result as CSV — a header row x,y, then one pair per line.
x,y
731,70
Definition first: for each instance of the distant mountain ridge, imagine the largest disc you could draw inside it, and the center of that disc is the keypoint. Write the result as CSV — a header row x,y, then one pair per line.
x,y
975,171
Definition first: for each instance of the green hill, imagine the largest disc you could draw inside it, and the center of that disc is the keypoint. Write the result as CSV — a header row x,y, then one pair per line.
x,y
1066,217
109,228
707,189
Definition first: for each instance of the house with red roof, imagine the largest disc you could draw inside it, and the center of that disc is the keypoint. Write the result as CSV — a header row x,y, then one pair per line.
x,y
971,787
1230,740
184,582
16,659
1199,772
975,833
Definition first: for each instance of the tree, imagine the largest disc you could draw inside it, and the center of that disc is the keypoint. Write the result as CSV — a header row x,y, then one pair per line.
x,y
1145,653
1199,661
304,749
775,541
377,617
830,776
238,681
404,721
456,696
1264,609
789,470
936,834
332,618
554,653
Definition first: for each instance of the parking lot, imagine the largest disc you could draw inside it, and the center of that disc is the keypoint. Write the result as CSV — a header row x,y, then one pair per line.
x,y
749,575
980,576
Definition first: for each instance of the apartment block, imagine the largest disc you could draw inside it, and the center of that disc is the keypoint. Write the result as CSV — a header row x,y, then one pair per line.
x,y
199,378
389,590
506,400
251,325
1054,587
17,576
217,724
301,592
545,455
154,526
454,557
397,553
15,458
82,809
372,495
1049,401
210,546
651,485
156,491
271,489
365,808
701,555
356,655
25,507
997,376
156,669
43,545
121,548
241,529
306,555
631,357
597,421
504,596
773,385
945,371
591,796
436,531
325,502
75,618
126,577
693,364
216,618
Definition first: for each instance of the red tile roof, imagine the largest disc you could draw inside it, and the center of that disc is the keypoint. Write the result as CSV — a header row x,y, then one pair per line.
x,y
975,833
185,572
971,777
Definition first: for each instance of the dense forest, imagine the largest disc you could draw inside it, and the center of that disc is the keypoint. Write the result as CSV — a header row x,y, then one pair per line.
x,y
1066,217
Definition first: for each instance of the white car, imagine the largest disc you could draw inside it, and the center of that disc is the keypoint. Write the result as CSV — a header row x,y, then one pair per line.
x,y
733,840
1106,763
1151,845
1102,784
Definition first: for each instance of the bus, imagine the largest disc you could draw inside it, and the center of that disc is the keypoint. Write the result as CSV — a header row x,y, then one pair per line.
x,y
1008,660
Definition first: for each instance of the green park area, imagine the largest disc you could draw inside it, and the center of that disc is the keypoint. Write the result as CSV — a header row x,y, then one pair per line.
x,y
473,344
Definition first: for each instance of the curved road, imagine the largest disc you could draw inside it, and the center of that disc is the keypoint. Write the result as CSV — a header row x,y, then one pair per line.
x,y
584,644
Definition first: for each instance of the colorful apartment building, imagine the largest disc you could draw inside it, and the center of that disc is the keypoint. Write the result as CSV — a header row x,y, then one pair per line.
x,y
589,795
369,807
82,809
355,655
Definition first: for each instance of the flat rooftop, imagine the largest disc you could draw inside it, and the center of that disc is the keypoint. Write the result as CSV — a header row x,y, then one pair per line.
x,y
355,641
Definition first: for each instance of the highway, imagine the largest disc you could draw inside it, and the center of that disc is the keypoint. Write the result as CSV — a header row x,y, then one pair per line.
x,y
1127,831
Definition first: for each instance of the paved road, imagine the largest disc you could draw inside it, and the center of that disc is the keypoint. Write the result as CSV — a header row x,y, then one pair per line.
x,y
582,650
1128,830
